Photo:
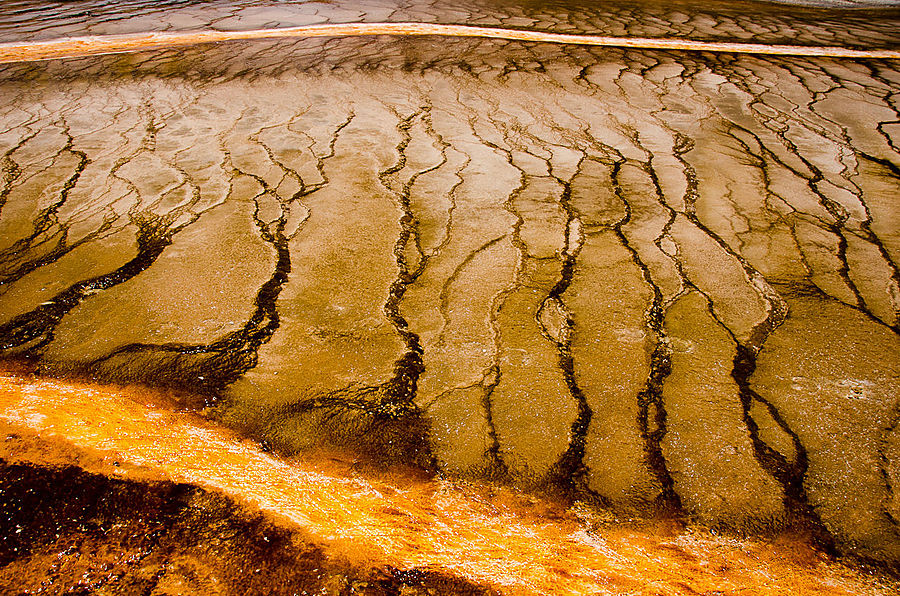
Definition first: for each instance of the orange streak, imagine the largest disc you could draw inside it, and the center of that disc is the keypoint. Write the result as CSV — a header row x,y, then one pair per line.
x,y
415,523
73,47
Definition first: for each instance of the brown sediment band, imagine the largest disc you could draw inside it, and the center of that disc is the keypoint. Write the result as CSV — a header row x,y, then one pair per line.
x,y
74,47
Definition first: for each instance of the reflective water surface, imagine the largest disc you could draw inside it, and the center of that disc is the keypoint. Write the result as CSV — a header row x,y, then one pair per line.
x,y
452,314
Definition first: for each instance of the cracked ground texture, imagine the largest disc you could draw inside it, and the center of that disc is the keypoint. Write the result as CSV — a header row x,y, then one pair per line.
x,y
660,281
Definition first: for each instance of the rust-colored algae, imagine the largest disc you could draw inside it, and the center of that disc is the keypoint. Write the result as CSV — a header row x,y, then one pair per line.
x,y
490,536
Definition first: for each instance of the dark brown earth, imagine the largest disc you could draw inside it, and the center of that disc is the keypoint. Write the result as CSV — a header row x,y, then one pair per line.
x,y
104,535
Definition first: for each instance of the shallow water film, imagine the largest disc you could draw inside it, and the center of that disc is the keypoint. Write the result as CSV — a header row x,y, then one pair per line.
x,y
449,298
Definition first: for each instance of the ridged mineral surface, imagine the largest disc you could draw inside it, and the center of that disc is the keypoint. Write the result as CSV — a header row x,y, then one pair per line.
x,y
658,280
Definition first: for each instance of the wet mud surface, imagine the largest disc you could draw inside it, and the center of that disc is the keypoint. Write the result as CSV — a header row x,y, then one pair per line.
x,y
658,282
